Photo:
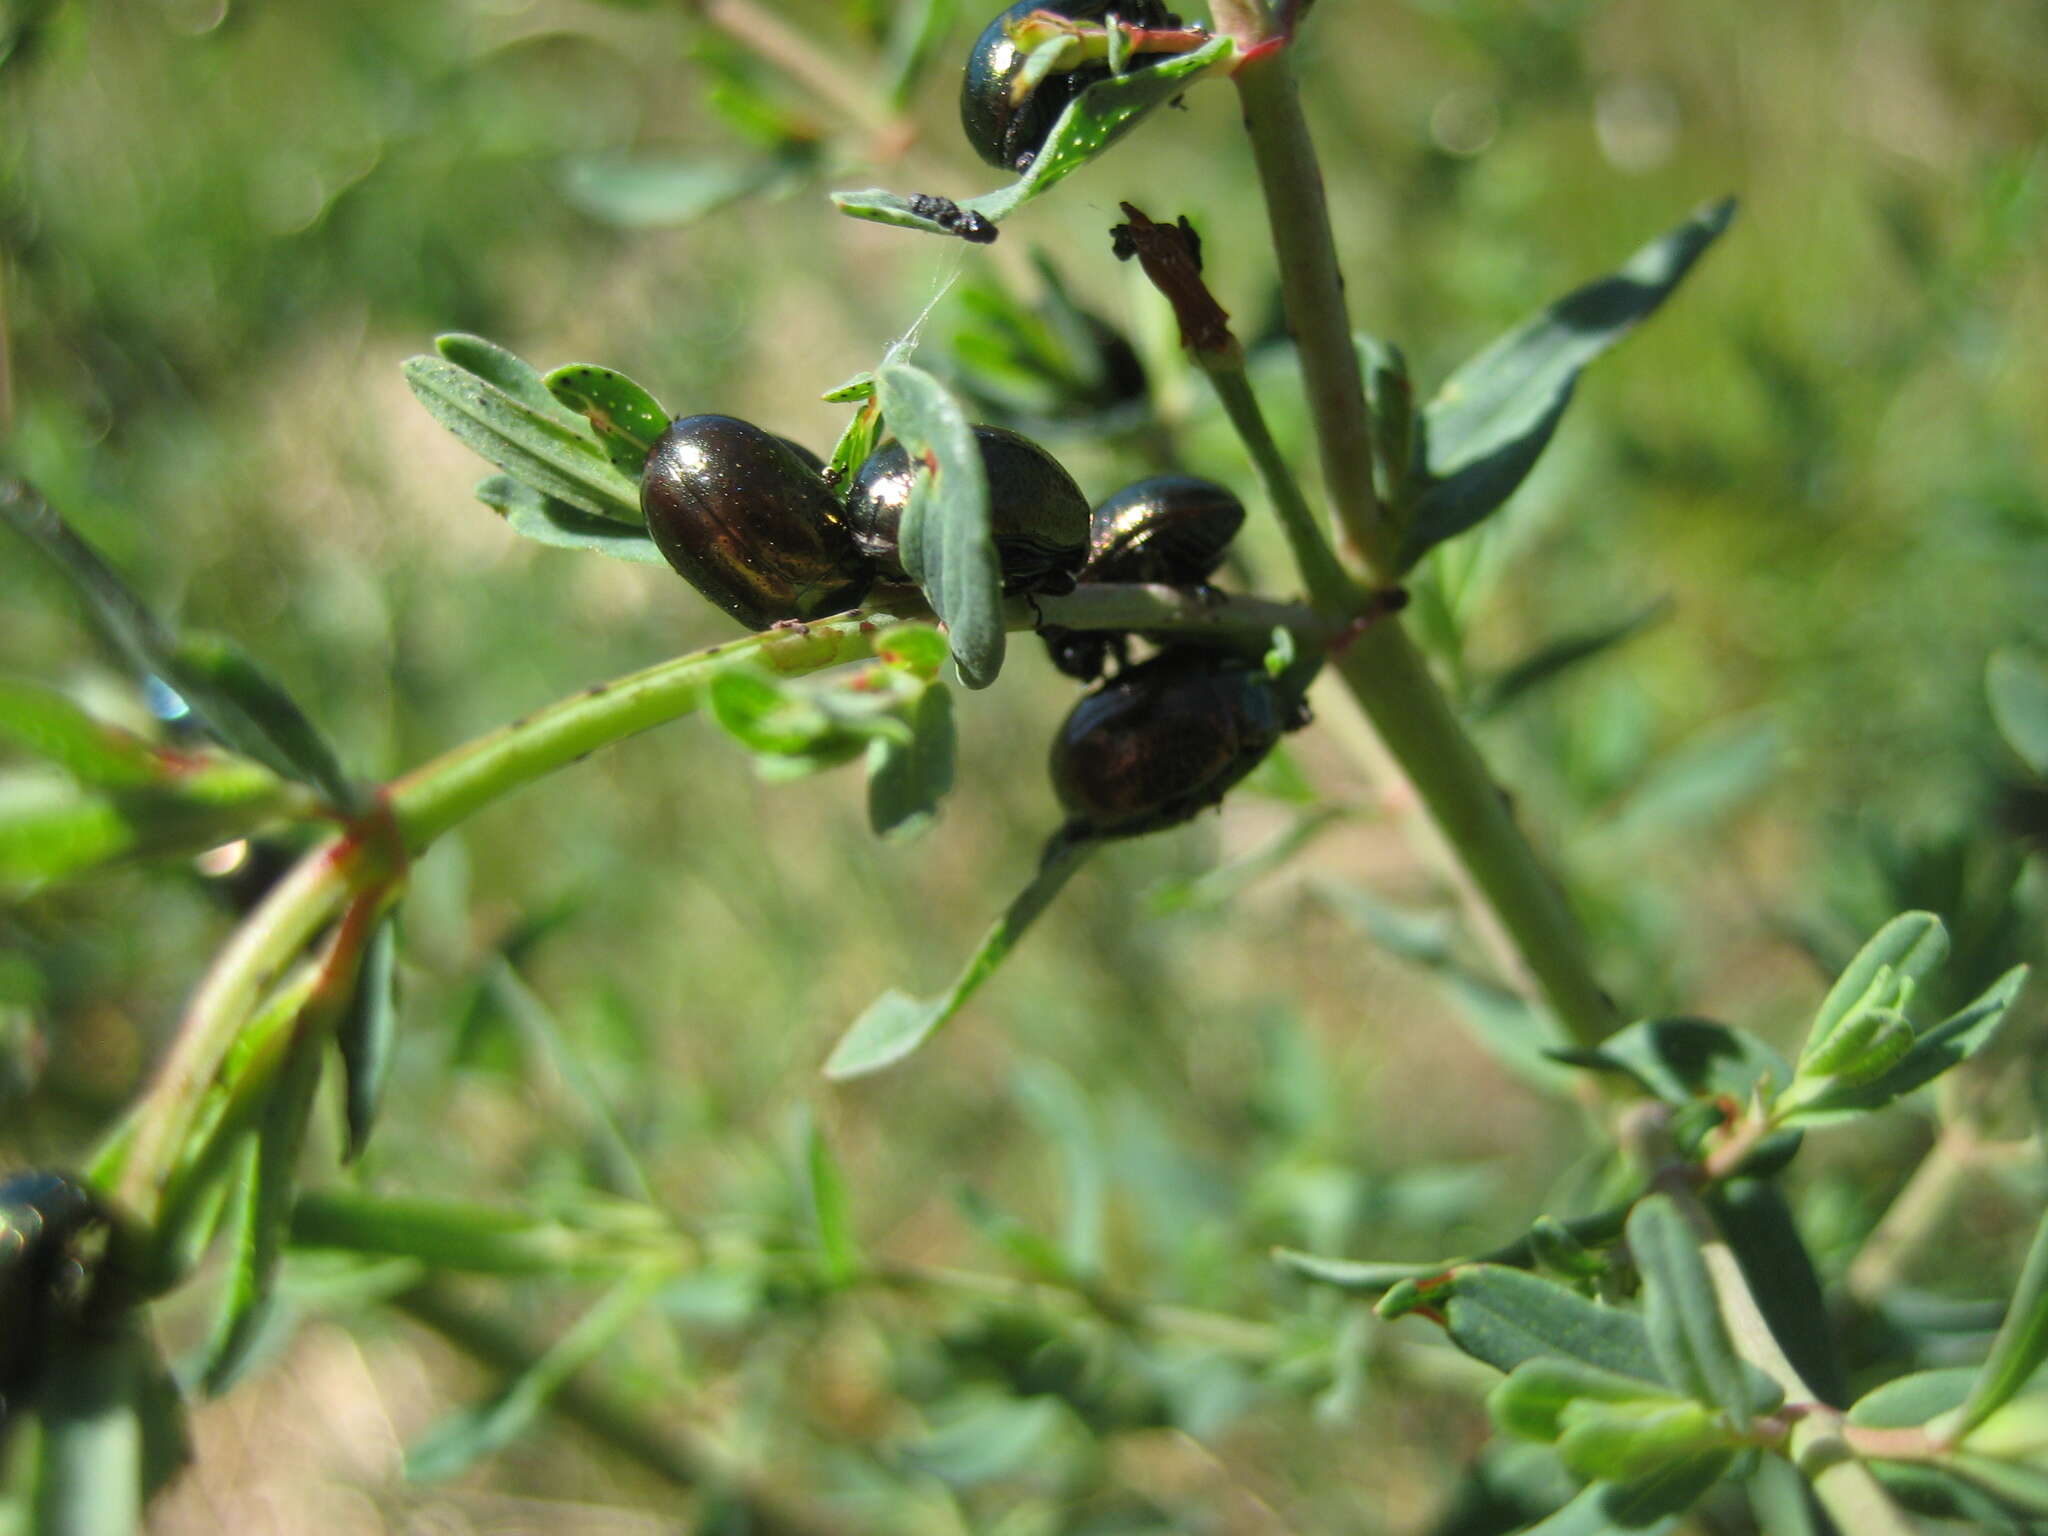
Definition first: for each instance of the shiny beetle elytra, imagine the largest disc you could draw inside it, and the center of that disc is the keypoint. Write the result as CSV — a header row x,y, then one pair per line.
x,y
749,523
1037,515
51,1230
1172,529
1166,740
1005,132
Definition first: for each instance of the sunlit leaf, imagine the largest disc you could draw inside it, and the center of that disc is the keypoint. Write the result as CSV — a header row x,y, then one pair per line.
x,y
944,537
1485,428
626,418
543,519
534,445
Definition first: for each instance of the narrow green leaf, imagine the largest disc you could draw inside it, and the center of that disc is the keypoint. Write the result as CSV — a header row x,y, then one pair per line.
x,y
1883,974
51,829
1561,657
1092,121
831,1209
626,418
1531,1402
1779,1500
1587,1515
1629,1443
1484,430
237,701
1506,1317
543,519
249,711
1938,1493
1666,1493
1908,1402
2021,1345
366,1033
907,780
2019,1487
896,1025
944,538
1755,1218
536,446
505,371
1948,1044
1681,1313
1682,1060
863,434
2018,686
252,1282
488,1427
43,722
1359,1277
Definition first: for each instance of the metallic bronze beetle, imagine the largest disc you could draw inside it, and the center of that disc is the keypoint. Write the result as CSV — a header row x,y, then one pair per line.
x,y
1166,740
52,1229
1008,133
748,521
1172,529
1037,515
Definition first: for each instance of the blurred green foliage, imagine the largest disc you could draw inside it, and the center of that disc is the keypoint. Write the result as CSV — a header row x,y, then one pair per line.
x,y
222,225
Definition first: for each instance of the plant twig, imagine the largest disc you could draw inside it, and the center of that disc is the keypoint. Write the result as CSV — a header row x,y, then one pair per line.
x,y
1171,259
425,803
1845,1486
1383,669
1312,288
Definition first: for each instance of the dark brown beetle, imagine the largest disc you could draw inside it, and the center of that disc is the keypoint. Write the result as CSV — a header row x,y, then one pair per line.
x,y
1037,515
1008,133
1166,740
1172,529
52,1229
750,523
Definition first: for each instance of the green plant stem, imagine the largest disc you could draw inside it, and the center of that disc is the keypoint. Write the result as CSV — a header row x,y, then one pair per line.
x,y
673,1452
1381,666
1843,1483
1391,681
271,937
1312,288
425,803
1328,584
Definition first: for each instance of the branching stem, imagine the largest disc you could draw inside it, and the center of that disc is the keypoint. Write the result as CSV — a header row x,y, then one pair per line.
x,y
1382,668
424,804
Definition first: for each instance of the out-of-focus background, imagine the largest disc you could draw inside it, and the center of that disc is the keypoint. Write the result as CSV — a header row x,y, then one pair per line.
x,y
222,226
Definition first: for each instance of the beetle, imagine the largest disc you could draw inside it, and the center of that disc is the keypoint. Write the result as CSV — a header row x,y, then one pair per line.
x,y
746,519
1165,740
1036,513
1171,529
52,1229
1008,133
